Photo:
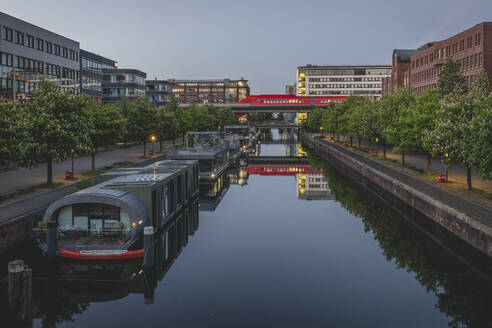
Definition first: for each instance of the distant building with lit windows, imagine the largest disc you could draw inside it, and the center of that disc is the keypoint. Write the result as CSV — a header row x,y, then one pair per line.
x,y
364,81
29,53
210,91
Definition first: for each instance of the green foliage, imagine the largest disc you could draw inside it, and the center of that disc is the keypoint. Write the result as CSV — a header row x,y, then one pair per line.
x,y
141,120
107,124
451,80
9,133
315,119
54,124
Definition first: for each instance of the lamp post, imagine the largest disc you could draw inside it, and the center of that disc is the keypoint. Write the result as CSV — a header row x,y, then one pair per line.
x,y
152,139
377,145
73,174
446,155
321,130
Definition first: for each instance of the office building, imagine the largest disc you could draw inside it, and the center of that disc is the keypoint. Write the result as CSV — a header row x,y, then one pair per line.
x,y
91,74
210,91
118,83
29,53
159,92
472,49
364,81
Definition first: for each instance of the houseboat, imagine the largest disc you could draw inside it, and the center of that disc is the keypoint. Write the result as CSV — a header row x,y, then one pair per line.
x,y
209,148
106,221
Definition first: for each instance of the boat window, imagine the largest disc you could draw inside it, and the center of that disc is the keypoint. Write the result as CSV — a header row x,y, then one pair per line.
x,y
180,190
65,216
165,200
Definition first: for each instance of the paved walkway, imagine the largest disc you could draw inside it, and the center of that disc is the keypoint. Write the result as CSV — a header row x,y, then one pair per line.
x,y
22,178
419,161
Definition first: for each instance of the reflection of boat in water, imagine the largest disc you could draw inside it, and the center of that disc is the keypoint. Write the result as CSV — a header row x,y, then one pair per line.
x,y
212,192
106,221
209,149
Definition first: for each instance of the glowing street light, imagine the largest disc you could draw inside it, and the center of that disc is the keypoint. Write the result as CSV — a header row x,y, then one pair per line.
x,y
152,139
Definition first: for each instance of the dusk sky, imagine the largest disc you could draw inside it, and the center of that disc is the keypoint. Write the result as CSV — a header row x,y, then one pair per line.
x,y
262,41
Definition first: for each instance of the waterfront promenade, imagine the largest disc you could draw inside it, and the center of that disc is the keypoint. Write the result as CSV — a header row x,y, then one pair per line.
x,y
23,178
419,161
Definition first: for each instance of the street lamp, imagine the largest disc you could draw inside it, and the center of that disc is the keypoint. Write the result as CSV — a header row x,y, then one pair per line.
x,y
377,146
152,139
73,152
446,155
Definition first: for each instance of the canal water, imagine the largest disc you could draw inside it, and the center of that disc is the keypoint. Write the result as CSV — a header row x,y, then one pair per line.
x,y
282,246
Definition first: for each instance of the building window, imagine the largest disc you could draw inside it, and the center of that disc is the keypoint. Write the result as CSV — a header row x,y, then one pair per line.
x,y
7,33
480,59
479,37
19,38
64,52
6,59
49,47
39,44
57,50
29,41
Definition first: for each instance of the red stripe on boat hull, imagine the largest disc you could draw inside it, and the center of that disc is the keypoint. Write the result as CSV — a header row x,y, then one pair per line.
x,y
97,257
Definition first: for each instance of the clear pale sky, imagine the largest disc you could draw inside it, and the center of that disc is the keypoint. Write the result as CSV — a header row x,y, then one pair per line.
x,y
262,41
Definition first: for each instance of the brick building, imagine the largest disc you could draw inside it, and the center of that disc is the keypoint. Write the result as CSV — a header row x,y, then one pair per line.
x,y
471,48
210,91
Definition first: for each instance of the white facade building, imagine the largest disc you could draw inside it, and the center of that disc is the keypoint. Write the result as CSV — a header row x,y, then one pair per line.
x,y
364,81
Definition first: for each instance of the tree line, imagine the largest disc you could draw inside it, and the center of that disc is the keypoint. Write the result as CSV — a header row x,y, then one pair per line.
x,y
55,126
452,121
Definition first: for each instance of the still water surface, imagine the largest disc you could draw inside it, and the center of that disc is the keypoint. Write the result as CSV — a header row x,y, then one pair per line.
x,y
310,249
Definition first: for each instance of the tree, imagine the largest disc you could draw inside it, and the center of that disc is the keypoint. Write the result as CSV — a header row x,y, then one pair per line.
x,y
225,117
9,133
451,80
107,126
479,154
354,120
396,122
56,125
125,107
165,125
141,121
315,119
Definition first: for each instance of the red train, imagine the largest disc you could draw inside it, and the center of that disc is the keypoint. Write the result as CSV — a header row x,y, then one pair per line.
x,y
290,100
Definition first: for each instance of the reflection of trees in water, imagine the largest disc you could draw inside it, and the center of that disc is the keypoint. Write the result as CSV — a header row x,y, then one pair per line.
x,y
462,294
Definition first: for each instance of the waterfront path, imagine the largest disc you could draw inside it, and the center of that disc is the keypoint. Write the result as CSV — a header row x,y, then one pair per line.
x,y
22,178
419,161
479,212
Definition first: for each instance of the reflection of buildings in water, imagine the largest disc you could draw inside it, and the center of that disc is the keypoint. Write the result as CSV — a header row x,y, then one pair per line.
x,y
238,176
212,192
312,186
59,292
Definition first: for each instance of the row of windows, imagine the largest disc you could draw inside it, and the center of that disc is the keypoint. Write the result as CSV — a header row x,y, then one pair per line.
x,y
90,83
357,71
344,79
344,92
469,62
128,92
37,43
343,86
448,51
94,66
124,78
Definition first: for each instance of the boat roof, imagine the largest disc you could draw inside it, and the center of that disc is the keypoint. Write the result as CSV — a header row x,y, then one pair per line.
x,y
102,193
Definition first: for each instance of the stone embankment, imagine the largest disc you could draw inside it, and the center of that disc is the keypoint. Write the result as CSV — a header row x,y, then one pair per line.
x,y
464,218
